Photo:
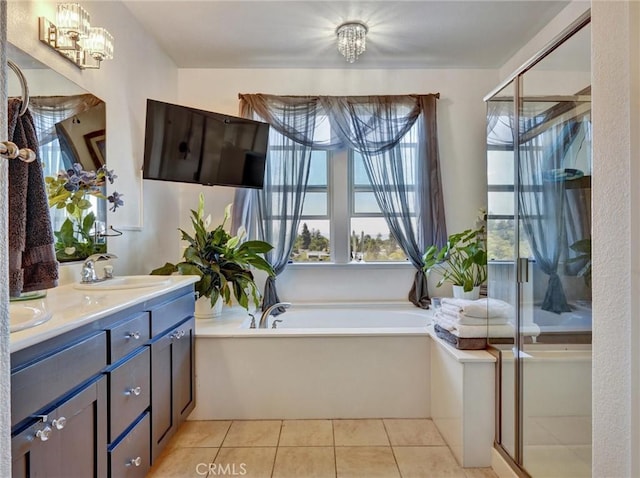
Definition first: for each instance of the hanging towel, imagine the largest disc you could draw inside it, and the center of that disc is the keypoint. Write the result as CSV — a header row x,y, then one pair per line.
x,y
32,258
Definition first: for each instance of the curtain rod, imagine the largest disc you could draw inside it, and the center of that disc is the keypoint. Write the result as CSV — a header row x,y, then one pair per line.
x,y
240,95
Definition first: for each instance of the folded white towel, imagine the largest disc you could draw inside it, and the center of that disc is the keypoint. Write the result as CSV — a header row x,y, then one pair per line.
x,y
480,331
480,309
465,320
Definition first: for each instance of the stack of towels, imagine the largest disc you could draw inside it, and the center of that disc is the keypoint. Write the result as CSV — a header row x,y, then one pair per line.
x,y
478,318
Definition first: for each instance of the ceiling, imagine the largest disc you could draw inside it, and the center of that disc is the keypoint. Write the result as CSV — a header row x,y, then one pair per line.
x,y
301,34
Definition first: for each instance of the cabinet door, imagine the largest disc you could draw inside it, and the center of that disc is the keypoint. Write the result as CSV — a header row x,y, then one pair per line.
x,y
172,383
70,442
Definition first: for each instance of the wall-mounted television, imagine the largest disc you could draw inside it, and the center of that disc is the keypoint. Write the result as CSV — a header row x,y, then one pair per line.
x,y
195,146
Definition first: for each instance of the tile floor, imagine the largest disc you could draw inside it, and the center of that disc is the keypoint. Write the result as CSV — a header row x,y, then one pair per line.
x,y
390,448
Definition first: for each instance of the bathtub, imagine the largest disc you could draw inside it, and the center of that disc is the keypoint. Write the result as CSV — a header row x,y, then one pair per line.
x,y
322,361
361,318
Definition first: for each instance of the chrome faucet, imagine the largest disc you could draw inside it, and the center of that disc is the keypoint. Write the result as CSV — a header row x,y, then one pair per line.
x,y
88,274
265,315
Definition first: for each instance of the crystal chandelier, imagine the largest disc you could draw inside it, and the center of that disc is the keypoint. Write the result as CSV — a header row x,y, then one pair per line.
x,y
352,40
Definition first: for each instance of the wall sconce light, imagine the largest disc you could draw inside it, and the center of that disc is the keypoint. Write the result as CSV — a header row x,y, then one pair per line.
x,y
73,37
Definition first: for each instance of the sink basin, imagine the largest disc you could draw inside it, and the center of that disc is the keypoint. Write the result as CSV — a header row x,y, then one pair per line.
x,y
124,282
27,314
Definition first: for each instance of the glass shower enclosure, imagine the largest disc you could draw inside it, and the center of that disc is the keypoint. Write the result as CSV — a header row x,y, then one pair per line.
x,y
539,250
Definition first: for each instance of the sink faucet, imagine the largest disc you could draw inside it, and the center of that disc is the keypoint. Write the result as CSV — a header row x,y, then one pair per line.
x,y
265,315
88,274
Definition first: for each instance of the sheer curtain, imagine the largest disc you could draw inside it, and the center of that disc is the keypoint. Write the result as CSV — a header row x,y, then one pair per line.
x,y
376,127
542,200
47,112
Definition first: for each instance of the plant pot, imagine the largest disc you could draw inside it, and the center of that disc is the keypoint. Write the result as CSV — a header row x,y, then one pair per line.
x,y
459,293
204,309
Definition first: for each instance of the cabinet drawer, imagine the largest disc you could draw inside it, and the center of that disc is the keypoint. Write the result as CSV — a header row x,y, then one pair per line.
x,y
129,392
131,457
127,336
40,383
168,315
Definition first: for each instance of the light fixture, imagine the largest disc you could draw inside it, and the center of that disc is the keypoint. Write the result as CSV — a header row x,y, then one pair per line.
x,y
352,40
73,37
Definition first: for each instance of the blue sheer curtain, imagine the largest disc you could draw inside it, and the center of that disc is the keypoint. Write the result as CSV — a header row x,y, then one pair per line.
x,y
542,199
374,126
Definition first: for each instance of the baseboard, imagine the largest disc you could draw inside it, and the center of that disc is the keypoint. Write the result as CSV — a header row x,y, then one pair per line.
x,y
500,466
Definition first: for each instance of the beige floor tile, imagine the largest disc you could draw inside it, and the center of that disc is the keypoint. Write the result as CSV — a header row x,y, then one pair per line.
x,y
427,461
253,433
366,462
359,433
306,433
200,434
307,462
536,434
413,432
183,463
480,473
250,462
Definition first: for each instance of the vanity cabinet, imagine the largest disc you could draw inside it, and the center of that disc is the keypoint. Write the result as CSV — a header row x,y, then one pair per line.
x,y
65,441
102,399
173,382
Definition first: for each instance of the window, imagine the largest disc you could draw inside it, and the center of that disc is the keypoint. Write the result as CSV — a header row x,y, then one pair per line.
x,y
500,196
341,219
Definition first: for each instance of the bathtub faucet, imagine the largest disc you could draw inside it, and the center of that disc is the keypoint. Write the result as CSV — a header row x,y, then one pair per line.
x,y
265,315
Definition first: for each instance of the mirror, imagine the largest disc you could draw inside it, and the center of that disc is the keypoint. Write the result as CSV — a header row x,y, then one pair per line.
x,y
70,125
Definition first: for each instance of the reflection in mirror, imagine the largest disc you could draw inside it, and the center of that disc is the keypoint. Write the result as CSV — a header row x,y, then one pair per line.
x,y
70,126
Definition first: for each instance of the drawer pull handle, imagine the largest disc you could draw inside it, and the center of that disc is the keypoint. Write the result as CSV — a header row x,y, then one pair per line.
x,y
178,334
59,423
134,391
133,335
137,461
44,433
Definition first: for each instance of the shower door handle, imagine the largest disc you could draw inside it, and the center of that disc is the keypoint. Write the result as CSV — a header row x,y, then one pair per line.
x,y
522,273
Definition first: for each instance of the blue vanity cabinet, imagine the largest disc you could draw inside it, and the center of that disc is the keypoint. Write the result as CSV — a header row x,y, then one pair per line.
x,y
129,378
172,370
102,399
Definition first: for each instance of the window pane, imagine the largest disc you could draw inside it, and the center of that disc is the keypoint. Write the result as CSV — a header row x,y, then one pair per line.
x,y
365,203
501,241
499,167
360,177
312,243
318,169
500,203
315,204
371,241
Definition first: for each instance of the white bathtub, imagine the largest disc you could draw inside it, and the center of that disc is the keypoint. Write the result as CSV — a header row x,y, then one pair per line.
x,y
342,317
340,361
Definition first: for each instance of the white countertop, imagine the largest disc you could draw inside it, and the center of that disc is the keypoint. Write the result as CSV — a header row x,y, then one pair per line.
x,y
72,308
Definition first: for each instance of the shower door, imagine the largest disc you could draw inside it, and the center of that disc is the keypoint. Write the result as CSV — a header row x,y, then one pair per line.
x,y
539,246
554,211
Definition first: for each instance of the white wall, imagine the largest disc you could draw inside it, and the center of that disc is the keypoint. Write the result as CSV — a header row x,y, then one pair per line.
x,y
5,396
139,70
461,130
616,114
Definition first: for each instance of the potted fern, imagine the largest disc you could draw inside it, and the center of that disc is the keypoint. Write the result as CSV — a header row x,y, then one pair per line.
x,y
222,261
462,261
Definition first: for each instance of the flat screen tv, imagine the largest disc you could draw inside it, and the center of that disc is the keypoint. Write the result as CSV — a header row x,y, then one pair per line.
x,y
195,146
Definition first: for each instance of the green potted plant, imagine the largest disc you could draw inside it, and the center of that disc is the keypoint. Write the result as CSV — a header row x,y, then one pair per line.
x,y
462,261
222,261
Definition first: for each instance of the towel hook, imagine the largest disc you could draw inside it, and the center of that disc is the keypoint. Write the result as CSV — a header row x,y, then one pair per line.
x,y
23,84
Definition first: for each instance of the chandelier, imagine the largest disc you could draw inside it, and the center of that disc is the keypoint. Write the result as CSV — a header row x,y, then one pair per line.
x,y
352,40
